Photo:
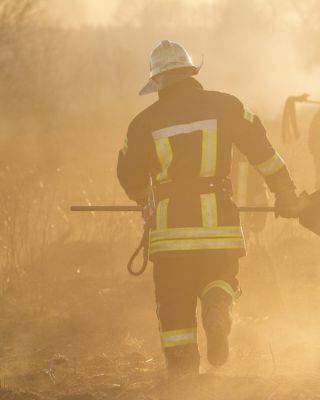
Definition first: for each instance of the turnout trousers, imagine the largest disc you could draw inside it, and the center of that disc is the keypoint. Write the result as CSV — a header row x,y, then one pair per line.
x,y
179,282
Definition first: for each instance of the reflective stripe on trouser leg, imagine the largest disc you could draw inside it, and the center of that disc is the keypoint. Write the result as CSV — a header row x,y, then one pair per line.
x,y
225,286
162,214
179,337
209,152
164,153
209,209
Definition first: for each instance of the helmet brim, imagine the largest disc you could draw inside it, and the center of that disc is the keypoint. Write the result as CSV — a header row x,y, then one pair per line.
x,y
152,86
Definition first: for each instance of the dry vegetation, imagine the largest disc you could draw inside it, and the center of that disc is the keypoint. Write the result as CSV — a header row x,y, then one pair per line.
x,y
68,330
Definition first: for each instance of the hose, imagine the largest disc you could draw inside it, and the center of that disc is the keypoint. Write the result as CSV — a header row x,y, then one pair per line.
x,y
144,245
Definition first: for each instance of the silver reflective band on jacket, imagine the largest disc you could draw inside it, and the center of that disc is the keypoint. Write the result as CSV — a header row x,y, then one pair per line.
x,y
162,137
209,235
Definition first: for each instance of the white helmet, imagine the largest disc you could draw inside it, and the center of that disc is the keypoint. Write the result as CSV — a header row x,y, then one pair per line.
x,y
168,56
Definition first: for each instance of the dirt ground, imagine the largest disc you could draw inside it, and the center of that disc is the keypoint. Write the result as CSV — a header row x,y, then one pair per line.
x,y
87,341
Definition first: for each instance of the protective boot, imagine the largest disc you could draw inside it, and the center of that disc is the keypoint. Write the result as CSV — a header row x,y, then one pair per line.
x,y
216,318
182,361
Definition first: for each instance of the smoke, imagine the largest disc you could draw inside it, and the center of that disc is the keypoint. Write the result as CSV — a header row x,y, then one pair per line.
x,y
257,50
65,108
75,13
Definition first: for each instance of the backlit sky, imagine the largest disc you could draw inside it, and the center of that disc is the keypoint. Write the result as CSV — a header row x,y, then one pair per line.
x,y
93,12
261,43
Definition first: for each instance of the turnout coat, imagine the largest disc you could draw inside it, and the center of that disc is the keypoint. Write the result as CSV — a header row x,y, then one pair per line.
x,y
180,148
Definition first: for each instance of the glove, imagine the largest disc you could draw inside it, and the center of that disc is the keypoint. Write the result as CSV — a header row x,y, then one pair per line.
x,y
287,204
147,212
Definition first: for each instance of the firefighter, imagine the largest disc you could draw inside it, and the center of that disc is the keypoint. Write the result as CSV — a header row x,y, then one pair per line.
x,y
249,190
314,145
180,149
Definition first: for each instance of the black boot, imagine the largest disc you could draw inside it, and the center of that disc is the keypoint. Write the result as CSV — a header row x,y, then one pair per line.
x,y
216,318
182,361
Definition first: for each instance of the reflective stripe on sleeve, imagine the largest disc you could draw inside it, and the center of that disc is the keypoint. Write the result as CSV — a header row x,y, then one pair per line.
x,y
125,146
249,116
209,209
209,152
162,214
178,337
225,286
164,153
271,166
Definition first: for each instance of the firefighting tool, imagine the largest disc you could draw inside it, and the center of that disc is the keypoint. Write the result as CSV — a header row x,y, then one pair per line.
x,y
290,129
309,218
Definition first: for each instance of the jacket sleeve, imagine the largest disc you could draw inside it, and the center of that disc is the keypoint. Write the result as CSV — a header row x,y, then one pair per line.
x,y
314,135
249,135
133,168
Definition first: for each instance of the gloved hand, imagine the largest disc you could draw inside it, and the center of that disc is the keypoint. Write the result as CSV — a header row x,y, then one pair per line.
x,y
147,212
287,204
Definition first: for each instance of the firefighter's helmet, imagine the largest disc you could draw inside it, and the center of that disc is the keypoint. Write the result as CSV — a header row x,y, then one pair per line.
x,y
168,56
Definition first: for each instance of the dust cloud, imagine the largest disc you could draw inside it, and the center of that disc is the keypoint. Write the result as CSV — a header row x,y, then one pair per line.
x,y
69,78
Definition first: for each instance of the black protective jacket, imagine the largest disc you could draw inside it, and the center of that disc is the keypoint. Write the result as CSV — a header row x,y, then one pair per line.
x,y
181,147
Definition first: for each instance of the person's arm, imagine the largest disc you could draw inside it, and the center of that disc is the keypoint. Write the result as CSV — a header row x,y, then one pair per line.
x,y
133,169
314,135
250,137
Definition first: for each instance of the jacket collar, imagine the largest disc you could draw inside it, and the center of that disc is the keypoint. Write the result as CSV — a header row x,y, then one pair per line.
x,y
179,88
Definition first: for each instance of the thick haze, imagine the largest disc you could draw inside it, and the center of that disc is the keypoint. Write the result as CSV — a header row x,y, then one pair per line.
x,y
262,51
70,73
100,12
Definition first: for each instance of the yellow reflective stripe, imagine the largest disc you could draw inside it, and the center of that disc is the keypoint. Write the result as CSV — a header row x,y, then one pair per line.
x,y
209,209
196,232
141,195
225,286
209,152
125,146
196,244
247,115
271,166
164,153
179,337
162,214
242,183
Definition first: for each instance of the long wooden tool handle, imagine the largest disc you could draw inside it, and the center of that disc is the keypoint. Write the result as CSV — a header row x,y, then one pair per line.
x,y
139,208
106,208
313,101
256,209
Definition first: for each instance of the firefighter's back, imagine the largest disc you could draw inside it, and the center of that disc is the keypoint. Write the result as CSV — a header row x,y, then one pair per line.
x,y
189,136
